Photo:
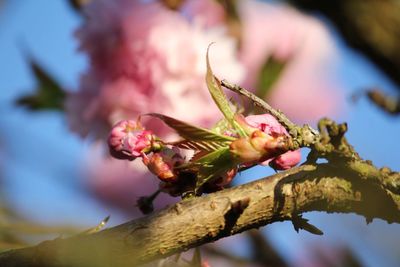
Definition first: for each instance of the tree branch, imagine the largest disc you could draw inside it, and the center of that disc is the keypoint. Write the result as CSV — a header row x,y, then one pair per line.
x,y
346,183
191,223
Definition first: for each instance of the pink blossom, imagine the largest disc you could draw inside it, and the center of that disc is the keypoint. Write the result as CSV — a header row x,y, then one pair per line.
x,y
266,123
147,58
306,90
270,125
128,140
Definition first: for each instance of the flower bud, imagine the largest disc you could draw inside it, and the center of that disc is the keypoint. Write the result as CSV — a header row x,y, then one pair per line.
x,y
162,163
129,140
243,149
286,160
270,125
258,147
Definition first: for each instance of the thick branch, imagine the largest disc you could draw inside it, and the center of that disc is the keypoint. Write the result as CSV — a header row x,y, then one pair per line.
x,y
200,220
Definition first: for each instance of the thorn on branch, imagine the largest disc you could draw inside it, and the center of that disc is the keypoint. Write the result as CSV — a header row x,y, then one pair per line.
x,y
97,228
301,223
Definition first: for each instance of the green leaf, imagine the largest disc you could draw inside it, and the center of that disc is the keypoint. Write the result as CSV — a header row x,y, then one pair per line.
x,y
210,166
191,132
269,74
221,127
213,165
218,95
200,145
48,95
220,99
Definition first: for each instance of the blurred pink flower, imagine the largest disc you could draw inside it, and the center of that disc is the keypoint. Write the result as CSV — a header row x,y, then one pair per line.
x,y
143,58
147,58
207,12
270,125
306,90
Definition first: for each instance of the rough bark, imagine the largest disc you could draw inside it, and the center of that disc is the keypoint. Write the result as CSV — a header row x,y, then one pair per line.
x,y
200,220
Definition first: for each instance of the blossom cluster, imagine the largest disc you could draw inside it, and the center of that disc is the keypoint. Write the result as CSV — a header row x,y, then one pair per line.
x,y
266,143
144,57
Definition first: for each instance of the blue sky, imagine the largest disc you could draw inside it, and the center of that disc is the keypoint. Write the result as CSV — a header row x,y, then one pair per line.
x,y
41,158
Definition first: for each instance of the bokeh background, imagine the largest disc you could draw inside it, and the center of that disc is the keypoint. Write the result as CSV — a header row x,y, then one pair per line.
x,y
43,165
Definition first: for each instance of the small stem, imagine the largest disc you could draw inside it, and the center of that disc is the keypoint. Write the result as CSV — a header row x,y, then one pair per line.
x,y
262,104
303,136
154,195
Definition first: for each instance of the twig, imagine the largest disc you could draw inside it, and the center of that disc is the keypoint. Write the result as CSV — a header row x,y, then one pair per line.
x,y
261,103
263,252
304,136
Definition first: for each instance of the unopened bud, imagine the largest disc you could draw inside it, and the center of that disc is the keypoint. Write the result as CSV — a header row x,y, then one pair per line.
x,y
129,140
162,164
258,147
286,160
270,125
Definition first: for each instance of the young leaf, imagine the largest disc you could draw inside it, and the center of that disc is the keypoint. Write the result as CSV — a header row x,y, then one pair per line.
x,y
220,99
190,132
218,95
213,165
200,145
269,74
200,148
48,95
